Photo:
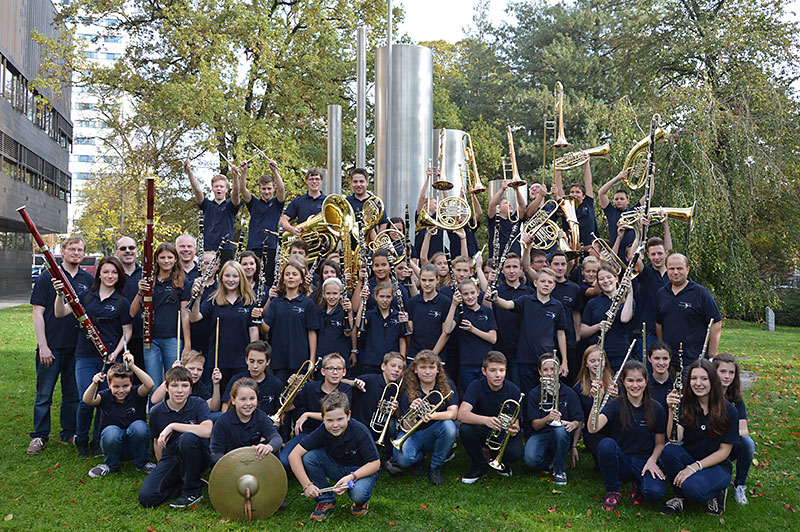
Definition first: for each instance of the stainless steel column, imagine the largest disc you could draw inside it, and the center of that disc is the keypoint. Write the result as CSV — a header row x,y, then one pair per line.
x,y
333,183
361,97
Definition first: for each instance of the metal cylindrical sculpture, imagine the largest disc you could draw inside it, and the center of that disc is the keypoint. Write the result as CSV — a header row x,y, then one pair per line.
x,y
333,182
361,97
410,115
496,184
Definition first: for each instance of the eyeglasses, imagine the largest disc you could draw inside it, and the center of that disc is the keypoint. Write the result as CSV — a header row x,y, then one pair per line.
x,y
127,248
336,369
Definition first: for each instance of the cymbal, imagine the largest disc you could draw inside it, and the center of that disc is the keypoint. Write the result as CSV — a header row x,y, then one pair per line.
x,y
240,470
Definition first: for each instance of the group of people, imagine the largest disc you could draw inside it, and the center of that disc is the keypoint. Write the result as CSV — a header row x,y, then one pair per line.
x,y
515,337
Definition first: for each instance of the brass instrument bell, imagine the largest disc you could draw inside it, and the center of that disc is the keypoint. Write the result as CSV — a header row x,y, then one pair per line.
x,y
636,162
561,138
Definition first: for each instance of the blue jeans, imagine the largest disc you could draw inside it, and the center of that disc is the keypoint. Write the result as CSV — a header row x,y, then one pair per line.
x,y
436,439
701,486
544,448
287,450
178,473
120,444
743,454
159,358
320,467
46,377
617,467
85,370
474,437
469,373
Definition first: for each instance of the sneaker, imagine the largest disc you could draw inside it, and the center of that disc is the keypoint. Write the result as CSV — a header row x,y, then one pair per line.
x,y
474,475
94,446
417,468
185,500
35,446
147,468
99,470
360,509
716,506
82,447
506,472
392,468
673,506
435,476
611,501
740,494
560,479
322,511
69,440
451,455
636,494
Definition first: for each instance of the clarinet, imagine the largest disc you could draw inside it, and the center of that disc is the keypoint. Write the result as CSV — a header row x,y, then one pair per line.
x,y
406,237
262,273
616,375
365,259
200,230
346,327
496,243
398,294
276,273
499,266
68,292
207,274
147,265
453,282
676,417
240,246
704,352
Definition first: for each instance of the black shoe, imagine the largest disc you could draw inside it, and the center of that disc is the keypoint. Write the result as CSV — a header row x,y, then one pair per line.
x,y
82,447
284,505
435,476
418,468
716,506
451,455
673,506
474,475
185,500
94,446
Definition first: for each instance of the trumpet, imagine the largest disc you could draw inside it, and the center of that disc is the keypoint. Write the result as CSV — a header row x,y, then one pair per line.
x,y
416,416
383,413
550,386
289,394
498,439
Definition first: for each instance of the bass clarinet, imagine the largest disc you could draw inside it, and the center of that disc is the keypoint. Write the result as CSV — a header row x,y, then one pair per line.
x,y
69,293
147,265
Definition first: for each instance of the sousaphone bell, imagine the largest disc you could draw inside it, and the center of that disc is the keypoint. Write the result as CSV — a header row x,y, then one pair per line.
x,y
242,487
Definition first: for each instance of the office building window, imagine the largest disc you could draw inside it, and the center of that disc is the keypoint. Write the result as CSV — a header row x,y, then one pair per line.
x,y
113,39
84,140
85,158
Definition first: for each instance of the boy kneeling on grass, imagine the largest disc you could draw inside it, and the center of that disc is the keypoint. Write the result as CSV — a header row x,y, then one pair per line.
x,y
182,424
341,449
123,431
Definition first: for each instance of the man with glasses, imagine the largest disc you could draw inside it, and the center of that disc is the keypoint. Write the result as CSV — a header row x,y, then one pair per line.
x,y
55,352
127,253
304,207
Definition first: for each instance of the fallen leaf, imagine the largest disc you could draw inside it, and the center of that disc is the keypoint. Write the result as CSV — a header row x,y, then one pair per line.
x,y
505,517
72,500
20,497
151,529
616,512
9,517
58,464
300,523
194,507
588,512
393,523
542,520
722,520
568,525
456,508
553,509
106,518
684,530
423,506
556,491
789,507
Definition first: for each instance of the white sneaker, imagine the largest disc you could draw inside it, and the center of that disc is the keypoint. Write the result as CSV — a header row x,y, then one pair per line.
x,y
100,470
740,494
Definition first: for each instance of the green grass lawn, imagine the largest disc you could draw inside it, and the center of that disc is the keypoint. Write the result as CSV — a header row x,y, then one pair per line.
x,y
52,491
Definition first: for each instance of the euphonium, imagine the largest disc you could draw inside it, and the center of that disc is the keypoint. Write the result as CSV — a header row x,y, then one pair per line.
x,y
323,231
550,386
630,219
383,412
574,159
289,394
498,439
469,158
416,416
636,162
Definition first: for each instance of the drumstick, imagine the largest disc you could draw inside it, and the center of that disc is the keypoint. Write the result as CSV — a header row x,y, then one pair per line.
x,y
178,349
350,485
216,347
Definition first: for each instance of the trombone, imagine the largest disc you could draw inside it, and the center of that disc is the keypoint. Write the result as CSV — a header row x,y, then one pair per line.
x,y
383,413
498,439
510,167
556,125
416,416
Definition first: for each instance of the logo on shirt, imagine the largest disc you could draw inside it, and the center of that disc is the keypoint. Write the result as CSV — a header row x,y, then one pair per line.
x,y
567,299
434,313
242,310
684,305
298,310
336,323
109,307
81,288
550,314
482,317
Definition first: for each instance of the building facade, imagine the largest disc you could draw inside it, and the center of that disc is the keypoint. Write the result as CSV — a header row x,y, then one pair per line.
x,y
35,142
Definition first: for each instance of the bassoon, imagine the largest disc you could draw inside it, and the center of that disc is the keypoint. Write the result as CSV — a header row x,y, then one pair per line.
x,y
147,264
69,293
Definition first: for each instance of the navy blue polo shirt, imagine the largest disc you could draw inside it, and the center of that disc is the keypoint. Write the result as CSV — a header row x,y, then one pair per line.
x,y
660,391
684,318
541,322
487,402
372,303
645,291
471,349
383,335
472,242
365,403
310,400
201,390
263,215
435,245
289,321
358,206
121,414
698,442
218,221
585,400
304,207
741,409
405,404
508,321
637,441
269,389
230,433
613,215
234,331
166,305
353,448
427,318
194,412
190,276
61,333
570,296
448,291
331,337
568,404
505,232
617,340
201,330
108,315
586,220
131,289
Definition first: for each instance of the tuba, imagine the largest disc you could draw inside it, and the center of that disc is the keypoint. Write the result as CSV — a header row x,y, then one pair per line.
x,y
498,439
323,231
415,416
574,159
569,206
636,162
